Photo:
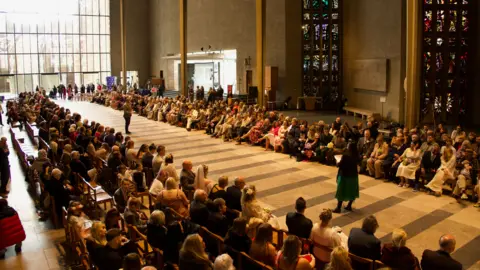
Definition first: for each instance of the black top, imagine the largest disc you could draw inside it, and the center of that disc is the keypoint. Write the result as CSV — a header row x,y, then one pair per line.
x,y
156,235
187,179
439,260
347,166
112,259
238,242
147,160
363,244
188,262
217,223
233,197
199,213
299,225
217,193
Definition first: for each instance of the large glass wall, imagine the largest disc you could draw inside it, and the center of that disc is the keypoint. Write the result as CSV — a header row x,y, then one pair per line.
x,y
49,42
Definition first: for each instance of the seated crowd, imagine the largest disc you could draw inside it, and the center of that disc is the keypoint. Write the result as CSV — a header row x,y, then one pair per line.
x,y
426,159
186,204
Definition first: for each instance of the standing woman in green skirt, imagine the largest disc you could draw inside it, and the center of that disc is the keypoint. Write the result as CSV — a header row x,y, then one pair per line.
x,y
347,178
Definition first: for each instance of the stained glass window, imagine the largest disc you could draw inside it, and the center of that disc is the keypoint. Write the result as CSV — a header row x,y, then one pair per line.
x,y
446,64
322,55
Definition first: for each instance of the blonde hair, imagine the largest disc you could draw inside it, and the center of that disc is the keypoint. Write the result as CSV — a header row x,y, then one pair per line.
x,y
399,238
252,226
193,246
171,183
325,216
95,233
248,194
339,259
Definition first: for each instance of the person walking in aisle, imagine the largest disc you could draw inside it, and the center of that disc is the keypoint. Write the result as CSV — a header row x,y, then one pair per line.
x,y
4,167
1,112
127,114
347,179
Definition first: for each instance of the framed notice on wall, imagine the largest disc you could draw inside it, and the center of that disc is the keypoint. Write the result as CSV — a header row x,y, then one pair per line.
x,y
370,74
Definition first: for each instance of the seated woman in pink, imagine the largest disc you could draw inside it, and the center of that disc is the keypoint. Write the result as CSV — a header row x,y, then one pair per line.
x,y
282,131
271,135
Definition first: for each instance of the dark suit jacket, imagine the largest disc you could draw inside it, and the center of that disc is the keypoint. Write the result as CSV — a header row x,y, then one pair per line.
x,y
187,179
363,244
428,163
439,260
120,201
299,225
147,160
218,224
365,148
199,213
233,198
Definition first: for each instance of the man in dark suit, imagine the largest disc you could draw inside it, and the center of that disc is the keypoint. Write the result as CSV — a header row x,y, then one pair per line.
x,y
198,209
147,159
440,259
233,196
362,242
430,164
187,176
365,147
217,221
297,223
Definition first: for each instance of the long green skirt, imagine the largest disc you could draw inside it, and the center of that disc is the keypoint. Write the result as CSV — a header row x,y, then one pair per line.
x,y
347,188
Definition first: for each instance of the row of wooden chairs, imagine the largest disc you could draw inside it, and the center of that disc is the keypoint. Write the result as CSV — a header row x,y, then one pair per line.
x,y
32,131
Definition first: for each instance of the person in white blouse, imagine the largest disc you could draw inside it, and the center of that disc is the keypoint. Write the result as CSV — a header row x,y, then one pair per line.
x,y
324,235
158,159
170,169
444,173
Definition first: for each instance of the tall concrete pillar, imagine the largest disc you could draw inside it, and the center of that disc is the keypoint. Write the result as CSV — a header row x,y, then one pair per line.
x,y
260,38
413,67
183,47
123,43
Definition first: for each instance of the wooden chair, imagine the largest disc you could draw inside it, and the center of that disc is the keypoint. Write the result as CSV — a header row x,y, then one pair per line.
x,y
212,241
360,262
278,236
53,211
379,265
249,263
144,248
96,195
319,264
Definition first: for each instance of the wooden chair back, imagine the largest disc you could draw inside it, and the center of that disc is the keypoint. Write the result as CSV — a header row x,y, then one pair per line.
x,y
212,241
249,263
360,262
278,236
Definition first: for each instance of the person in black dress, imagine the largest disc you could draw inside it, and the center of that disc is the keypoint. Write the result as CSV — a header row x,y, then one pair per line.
x,y
347,179
127,115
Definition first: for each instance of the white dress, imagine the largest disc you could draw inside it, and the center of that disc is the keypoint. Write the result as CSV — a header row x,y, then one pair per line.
x,y
254,210
444,173
410,164
327,237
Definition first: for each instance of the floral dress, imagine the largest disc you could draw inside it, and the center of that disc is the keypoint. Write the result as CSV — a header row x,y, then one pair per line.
x,y
256,132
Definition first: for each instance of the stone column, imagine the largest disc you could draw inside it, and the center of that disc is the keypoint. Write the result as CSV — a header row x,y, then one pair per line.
x,y
260,38
413,67
123,44
183,47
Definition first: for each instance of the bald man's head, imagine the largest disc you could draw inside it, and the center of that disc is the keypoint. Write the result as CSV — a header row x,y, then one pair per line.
x,y
187,165
447,243
239,182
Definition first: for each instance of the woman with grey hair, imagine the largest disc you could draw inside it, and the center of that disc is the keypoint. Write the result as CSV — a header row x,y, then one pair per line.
x,y
156,230
40,160
396,255
223,262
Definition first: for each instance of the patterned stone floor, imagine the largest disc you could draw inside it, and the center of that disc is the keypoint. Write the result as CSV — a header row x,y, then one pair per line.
x,y
280,180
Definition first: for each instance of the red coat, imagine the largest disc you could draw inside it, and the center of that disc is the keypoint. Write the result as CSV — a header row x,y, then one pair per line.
x,y
11,231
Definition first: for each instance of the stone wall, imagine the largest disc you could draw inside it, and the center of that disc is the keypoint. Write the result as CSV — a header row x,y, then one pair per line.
x,y
222,24
138,40
375,29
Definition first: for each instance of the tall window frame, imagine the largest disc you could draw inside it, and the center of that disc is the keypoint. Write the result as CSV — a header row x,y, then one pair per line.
x,y
322,51
64,40
448,43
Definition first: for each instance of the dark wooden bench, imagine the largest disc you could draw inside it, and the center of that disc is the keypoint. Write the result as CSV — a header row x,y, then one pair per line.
x,y
32,132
